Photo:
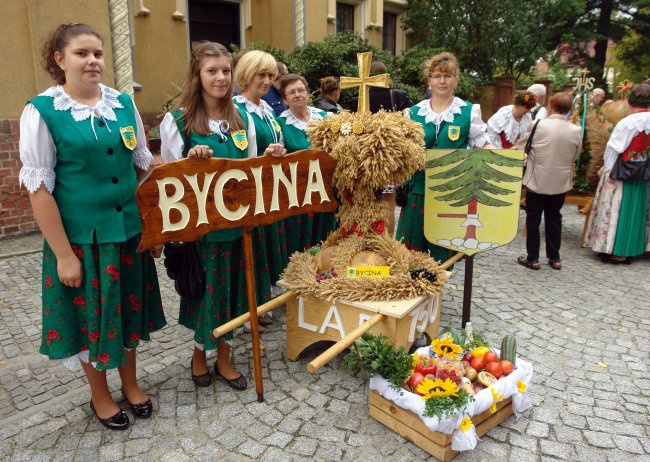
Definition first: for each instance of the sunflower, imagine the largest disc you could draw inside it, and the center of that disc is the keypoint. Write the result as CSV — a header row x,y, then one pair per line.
x,y
335,127
357,128
446,347
436,388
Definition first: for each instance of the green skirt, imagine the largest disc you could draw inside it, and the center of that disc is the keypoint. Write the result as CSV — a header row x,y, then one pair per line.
x,y
225,292
307,230
410,229
324,224
275,243
631,229
117,305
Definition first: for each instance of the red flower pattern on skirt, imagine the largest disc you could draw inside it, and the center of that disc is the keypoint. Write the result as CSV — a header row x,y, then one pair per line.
x,y
114,273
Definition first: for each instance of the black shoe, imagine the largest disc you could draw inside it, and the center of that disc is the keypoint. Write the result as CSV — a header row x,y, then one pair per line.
x,y
142,410
238,383
531,264
119,421
204,380
605,258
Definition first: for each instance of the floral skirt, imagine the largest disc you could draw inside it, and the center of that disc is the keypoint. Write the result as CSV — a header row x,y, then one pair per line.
x,y
225,292
603,220
307,230
410,229
117,305
275,243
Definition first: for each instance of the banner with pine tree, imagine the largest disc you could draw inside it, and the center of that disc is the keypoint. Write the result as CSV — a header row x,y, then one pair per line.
x,y
472,198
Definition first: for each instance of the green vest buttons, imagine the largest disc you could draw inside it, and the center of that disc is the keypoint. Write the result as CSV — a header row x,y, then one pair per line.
x,y
110,151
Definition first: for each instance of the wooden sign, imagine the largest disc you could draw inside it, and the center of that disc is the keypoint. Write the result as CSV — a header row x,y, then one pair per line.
x,y
185,199
472,197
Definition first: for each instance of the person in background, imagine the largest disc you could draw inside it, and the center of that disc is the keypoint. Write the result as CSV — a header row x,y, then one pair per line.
x,y
273,97
598,96
538,112
330,92
509,123
308,229
83,146
617,225
254,73
204,125
449,123
555,145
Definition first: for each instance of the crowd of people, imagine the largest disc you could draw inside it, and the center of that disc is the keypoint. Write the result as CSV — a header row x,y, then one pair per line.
x,y
83,149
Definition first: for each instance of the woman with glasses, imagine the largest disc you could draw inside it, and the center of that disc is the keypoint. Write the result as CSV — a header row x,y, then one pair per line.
x,y
448,123
308,229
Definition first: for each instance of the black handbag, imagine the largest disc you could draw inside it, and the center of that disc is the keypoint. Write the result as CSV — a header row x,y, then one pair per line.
x,y
632,170
401,193
184,266
183,260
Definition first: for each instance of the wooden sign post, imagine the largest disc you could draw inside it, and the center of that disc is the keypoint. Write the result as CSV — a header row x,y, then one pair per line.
x,y
185,199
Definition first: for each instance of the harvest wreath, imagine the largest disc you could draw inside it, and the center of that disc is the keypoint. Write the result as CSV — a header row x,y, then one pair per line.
x,y
373,151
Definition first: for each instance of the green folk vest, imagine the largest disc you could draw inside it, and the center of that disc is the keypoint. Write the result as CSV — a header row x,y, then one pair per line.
x,y
294,138
95,178
462,120
264,129
225,149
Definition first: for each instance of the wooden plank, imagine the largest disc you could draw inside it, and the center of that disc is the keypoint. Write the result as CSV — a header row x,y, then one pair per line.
x,y
442,453
408,418
494,420
234,193
477,419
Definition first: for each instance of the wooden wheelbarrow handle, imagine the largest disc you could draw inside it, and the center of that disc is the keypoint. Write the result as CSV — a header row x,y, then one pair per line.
x,y
244,318
342,344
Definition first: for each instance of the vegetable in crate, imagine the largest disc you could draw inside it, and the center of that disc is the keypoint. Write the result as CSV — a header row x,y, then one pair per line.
x,y
509,349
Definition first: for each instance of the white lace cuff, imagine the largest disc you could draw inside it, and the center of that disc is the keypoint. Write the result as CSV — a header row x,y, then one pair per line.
x,y
32,177
142,158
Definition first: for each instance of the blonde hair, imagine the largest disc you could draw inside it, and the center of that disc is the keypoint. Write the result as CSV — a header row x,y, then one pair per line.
x,y
444,62
254,62
195,116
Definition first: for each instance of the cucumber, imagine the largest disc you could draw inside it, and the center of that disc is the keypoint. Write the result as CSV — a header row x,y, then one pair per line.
x,y
509,349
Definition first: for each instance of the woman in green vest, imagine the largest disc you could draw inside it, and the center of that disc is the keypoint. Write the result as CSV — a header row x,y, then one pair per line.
x,y
307,229
254,73
80,145
448,123
207,124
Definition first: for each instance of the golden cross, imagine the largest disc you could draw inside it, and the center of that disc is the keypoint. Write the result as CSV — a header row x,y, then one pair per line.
x,y
364,81
623,88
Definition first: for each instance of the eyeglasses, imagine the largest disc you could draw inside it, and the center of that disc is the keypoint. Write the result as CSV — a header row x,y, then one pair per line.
x,y
300,91
441,76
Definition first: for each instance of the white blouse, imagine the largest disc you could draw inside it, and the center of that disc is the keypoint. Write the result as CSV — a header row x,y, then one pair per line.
x,y
263,111
504,121
37,149
541,114
477,135
623,134
171,141
314,114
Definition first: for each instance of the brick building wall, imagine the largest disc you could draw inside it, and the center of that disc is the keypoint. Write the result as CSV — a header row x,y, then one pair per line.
x,y
15,209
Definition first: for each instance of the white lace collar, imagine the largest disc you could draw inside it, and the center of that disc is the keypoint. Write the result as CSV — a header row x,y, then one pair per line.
x,y
104,107
424,109
261,110
314,114
505,122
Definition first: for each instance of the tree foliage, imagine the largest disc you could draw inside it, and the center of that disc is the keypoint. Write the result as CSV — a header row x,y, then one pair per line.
x,y
486,36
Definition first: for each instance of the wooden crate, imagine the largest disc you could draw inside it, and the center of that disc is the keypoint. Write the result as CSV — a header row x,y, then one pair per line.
x,y
411,427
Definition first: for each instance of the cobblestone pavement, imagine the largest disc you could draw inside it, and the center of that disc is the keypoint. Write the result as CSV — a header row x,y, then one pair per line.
x,y
566,323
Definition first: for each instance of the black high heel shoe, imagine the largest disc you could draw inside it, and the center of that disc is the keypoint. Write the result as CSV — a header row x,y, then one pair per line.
x,y
119,421
141,410
204,380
